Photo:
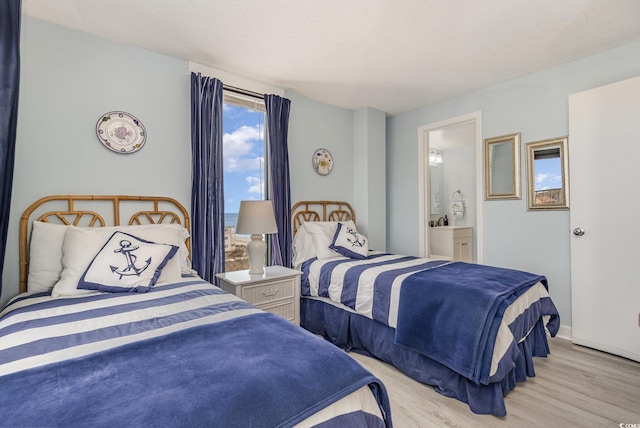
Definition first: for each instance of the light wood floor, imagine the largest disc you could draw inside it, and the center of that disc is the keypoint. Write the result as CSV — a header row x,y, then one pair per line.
x,y
573,387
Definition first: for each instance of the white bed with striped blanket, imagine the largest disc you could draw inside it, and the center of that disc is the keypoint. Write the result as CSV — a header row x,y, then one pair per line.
x,y
98,351
469,330
173,350
388,315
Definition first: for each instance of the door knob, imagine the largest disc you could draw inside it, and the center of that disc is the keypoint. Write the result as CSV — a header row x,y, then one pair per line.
x,y
578,231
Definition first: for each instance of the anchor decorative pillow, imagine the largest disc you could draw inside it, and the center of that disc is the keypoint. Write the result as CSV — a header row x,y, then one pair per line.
x,y
127,263
348,242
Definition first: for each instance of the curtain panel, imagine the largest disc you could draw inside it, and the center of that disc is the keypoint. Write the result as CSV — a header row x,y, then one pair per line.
x,y
10,15
207,191
277,129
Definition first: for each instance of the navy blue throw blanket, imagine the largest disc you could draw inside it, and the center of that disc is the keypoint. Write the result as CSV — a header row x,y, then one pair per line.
x,y
451,313
252,371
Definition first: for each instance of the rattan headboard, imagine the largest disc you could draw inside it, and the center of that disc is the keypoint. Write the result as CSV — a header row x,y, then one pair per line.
x,y
320,211
92,210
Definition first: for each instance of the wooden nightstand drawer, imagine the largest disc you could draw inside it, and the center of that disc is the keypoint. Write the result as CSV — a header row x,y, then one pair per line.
x,y
277,290
259,294
286,309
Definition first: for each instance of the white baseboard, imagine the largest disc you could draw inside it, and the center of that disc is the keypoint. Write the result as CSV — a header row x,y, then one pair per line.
x,y
564,332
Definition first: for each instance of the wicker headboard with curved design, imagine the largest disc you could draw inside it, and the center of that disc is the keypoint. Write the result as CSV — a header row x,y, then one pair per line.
x,y
321,211
97,211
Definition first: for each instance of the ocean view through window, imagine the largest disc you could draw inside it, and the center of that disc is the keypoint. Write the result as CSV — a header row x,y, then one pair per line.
x,y
244,168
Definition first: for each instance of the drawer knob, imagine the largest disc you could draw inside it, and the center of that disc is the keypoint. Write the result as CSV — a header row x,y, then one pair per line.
x,y
270,294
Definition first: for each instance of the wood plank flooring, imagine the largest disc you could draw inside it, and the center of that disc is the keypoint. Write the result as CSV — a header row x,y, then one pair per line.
x,y
574,387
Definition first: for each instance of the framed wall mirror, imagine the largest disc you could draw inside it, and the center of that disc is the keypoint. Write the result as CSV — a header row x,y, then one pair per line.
x,y
548,174
502,167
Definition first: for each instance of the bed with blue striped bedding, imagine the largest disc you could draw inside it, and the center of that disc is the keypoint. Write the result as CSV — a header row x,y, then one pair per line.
x,y
469,330
182,354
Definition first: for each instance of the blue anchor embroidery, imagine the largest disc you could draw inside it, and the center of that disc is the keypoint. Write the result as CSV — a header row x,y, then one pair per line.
x,y
126,248
356,242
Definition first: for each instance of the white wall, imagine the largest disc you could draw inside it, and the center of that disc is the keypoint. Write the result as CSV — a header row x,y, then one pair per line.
x,y
536,106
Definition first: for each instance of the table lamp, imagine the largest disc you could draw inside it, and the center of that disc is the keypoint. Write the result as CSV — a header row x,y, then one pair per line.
x,y
256,218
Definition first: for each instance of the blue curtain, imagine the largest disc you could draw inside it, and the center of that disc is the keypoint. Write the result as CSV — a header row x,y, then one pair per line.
x,y
207,191
279,186
10,11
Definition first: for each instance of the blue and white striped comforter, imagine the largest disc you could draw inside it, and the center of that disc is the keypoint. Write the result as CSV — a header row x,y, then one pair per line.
x,y
372,288
184,354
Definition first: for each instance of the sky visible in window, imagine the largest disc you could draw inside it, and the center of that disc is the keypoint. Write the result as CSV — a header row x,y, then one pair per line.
x,y
243,150
548,174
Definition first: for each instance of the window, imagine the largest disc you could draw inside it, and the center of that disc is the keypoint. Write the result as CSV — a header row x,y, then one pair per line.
x,y
548,179
547,175
244,152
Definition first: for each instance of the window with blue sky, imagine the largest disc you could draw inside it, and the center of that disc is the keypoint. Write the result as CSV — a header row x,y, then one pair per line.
x,y
244,169
244,157
548,174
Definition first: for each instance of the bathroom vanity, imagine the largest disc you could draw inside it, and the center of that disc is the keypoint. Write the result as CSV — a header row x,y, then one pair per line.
x,y
452,243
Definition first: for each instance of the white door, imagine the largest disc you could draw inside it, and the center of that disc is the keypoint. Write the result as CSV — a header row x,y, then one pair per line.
x,y
604,165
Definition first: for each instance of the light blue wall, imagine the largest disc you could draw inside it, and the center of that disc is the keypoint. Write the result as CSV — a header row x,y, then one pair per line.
x,y
68,80
536,106
369,175
314,125
358,172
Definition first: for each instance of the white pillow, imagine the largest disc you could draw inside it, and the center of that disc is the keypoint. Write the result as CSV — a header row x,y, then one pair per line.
x,y
45,256
323,232
348,242
303,246
183,251
45,250
127,263
82,244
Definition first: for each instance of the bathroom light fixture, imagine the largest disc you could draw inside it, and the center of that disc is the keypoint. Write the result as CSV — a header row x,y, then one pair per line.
x,y
435,157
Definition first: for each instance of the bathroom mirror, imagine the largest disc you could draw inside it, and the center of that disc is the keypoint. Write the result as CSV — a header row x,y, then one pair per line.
x,y
548,174
502,167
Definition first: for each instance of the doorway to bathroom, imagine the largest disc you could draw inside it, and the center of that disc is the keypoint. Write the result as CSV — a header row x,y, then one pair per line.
x,y
450,179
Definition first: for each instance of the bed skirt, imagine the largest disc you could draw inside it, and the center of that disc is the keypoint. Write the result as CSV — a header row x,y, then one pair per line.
x,y
354,332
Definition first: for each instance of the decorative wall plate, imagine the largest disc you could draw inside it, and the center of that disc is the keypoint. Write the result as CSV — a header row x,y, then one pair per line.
x,y
121,132
322,161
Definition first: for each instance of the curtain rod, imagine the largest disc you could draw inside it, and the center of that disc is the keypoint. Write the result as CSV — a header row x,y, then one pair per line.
x,y
243,92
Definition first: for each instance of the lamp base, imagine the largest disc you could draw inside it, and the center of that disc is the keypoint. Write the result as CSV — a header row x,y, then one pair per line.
x,y
256,249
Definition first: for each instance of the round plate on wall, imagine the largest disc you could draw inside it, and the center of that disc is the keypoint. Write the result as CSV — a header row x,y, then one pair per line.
x,y
322,161
121,132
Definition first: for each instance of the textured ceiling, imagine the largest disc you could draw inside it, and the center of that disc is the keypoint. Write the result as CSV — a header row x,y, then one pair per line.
x,y
392,55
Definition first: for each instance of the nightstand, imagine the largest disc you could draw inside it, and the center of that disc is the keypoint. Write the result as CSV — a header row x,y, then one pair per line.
x,y
277,290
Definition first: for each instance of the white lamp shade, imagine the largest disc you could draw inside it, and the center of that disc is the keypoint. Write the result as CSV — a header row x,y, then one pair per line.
x,y
256,217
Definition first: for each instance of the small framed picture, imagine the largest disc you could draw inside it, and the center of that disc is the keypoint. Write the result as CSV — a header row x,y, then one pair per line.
x,y
322,161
